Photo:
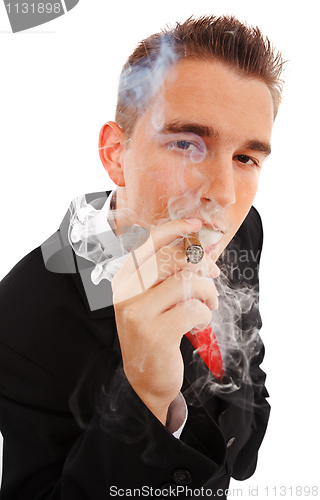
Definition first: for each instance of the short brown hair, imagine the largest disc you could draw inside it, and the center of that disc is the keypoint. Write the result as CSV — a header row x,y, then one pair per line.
x,y
241,47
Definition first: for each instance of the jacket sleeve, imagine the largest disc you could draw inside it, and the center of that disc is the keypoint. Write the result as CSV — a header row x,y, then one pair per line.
x,y
73,428
47,456
241,415
256,415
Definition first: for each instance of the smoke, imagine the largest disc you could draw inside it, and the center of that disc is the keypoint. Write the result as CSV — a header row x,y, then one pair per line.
x,y
238,345
86,243
92,239
141,83
235,325
236,321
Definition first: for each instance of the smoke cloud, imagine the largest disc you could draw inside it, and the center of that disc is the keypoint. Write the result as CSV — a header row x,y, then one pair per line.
x,y
238,339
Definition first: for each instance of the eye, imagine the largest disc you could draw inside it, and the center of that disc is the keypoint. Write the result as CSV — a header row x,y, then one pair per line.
x,y
186,146
183,146
246,160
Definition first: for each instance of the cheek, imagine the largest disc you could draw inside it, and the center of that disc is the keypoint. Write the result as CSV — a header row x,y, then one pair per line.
x,y
152,187
166,181
247,189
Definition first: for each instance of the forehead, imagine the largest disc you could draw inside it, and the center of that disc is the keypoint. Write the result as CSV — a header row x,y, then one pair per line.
x,y
210,93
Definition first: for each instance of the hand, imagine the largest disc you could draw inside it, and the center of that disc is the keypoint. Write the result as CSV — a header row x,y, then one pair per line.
x,y
158,297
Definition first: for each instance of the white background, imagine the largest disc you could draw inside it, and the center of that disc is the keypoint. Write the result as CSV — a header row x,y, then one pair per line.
x,y
57,88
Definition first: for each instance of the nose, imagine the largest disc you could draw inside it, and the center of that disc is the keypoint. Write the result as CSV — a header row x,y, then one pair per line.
x,y
219,183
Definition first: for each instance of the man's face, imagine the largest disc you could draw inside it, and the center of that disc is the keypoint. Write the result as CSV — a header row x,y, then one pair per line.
x,y
198,150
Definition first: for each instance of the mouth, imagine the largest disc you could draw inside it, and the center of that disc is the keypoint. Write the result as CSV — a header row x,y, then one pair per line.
x,y
209,237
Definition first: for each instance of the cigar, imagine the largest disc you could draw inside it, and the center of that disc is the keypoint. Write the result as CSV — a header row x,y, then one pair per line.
x,y
193,248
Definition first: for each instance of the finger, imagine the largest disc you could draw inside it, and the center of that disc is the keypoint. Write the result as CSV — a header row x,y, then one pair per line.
x,y
171,260
166,233
180,287
153,271
160,236
184,317
166,262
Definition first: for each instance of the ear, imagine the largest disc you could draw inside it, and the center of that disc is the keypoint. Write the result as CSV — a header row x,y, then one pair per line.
x,y
111,141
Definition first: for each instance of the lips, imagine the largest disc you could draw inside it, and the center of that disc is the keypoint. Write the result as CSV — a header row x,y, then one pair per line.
x,y
209,237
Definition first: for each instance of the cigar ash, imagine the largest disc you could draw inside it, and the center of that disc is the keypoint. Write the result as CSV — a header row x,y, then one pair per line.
x,y
193,248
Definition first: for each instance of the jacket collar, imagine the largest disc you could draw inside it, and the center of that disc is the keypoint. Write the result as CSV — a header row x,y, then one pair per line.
x,y
59,257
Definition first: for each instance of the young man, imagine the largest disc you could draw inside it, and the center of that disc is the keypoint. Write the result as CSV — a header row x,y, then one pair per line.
x,y
127,392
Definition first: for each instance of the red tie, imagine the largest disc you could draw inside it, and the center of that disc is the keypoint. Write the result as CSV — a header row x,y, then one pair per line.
x,y
206,343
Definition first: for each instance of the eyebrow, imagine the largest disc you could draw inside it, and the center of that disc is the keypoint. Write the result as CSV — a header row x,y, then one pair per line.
x,y
207,131
259,146
194,128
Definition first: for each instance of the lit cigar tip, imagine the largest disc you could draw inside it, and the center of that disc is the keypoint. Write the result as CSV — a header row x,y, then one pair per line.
x,y
193,248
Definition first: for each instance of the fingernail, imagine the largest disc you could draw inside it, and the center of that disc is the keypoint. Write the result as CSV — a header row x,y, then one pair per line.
x,y
193,221
215,272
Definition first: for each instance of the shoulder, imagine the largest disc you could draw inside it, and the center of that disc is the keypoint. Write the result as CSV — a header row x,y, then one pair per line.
x,y
37,307
24,284
240,260
29,282
45,331
250,233
47,340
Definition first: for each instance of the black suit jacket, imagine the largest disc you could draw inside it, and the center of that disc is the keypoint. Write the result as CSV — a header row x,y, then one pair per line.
x,y
73,427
